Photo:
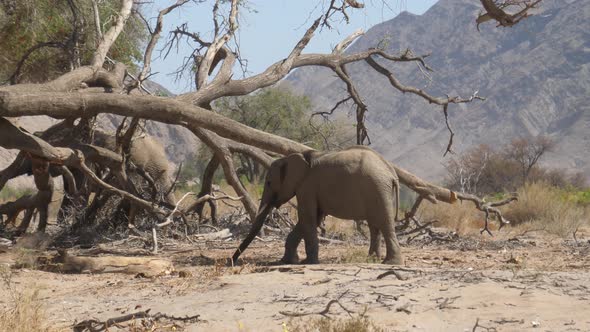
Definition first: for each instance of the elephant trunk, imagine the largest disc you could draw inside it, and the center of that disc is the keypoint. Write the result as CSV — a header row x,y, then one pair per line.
x,y
256,227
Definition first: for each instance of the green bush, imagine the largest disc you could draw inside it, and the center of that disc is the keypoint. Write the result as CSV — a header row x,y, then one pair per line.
x,y
30,22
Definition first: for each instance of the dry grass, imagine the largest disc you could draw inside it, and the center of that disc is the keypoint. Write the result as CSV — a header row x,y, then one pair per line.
x,y
24,311
29,248
540,207
361,323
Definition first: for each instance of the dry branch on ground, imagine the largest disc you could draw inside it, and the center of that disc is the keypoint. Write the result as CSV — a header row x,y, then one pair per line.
x,y
145,266
93,325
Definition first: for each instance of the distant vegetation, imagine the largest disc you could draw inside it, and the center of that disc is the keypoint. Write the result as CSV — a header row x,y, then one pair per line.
x,y
541,207
483,170
549,199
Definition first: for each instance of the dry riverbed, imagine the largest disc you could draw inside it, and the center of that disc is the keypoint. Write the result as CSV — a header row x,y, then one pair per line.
x,y
534,282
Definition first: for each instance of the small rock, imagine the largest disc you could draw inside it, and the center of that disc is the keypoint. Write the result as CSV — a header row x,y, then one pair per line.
x,y
184,274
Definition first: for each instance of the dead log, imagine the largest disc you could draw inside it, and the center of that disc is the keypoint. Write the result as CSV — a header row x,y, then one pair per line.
x,y
146,266
221,235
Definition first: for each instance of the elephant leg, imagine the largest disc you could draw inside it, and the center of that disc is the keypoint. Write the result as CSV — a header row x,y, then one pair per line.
x,y
293,240
308,218
375,238
393,253
43,215
44,198
22,228
310,234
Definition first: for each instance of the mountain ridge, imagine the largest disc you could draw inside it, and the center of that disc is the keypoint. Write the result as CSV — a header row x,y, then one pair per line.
x,y
535,77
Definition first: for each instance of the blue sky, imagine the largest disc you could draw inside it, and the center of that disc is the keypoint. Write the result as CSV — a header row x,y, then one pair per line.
x,y
269,31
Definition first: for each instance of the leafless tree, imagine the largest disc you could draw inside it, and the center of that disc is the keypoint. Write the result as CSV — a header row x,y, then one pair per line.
x,y
465,172
527,151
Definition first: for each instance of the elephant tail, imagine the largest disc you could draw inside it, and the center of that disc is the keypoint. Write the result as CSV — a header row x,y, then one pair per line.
x,y
396,193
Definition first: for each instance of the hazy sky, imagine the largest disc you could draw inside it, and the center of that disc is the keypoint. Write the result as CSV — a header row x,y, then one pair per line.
x,y
269,30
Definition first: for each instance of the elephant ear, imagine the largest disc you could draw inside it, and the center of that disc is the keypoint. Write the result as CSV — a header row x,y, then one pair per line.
x,y
292,173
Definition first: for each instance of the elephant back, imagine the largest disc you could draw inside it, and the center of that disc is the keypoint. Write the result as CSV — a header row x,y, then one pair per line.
x,y
148,154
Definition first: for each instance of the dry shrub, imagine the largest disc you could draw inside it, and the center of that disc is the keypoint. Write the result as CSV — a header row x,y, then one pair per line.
x,y
541,206
360,323
24,312
25,258
462,217
29,248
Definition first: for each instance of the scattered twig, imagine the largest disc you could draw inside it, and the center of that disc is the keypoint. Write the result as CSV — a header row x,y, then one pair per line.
x,y
488,329
446,303
323,312
404,308
508,321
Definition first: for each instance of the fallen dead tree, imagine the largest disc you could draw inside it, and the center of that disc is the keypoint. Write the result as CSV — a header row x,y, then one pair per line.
x,y
68,97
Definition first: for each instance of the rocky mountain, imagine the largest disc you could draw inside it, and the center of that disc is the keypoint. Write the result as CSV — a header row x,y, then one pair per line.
x,y
535,77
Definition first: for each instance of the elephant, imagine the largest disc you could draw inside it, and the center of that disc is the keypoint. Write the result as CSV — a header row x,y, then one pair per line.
x,y
146,154
150,160
355,183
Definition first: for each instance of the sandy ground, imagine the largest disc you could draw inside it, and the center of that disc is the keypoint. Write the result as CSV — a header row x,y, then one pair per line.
x,y
534,283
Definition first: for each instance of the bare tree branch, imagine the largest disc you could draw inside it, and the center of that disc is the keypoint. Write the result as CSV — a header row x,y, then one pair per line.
x,y
109,38
155,36
495,10
207,63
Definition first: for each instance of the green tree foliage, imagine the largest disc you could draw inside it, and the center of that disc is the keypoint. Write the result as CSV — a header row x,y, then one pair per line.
x,y
25,24
281,112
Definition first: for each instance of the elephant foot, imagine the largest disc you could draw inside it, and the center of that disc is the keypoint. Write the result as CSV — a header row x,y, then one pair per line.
x,y
287,259
310,261
20,231
374,253
397,260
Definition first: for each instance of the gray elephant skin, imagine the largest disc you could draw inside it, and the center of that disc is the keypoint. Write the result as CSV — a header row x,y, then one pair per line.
x,y
356,183
147,155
